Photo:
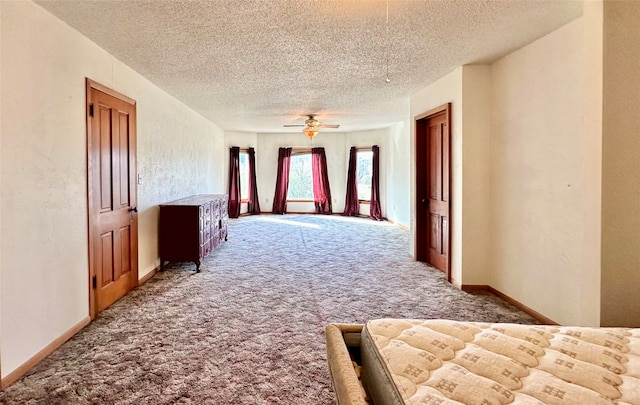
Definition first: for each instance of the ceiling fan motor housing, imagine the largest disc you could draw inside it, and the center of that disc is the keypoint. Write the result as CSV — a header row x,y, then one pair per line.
x,y
312,122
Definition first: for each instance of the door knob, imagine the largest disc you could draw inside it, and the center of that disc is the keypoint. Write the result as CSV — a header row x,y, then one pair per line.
x,y
134,209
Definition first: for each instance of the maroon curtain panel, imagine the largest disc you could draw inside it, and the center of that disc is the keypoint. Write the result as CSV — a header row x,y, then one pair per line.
x,y
374,206
253,205
321,189
234,182
282,181
351,203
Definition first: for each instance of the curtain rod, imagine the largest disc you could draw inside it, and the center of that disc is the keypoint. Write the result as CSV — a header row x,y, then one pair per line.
x,y
300,150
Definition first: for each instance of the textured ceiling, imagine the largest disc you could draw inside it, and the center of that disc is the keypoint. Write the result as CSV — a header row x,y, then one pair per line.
x,y
258,64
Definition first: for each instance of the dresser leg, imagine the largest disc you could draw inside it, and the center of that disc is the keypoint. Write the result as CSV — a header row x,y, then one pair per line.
x,y
161,265
198,266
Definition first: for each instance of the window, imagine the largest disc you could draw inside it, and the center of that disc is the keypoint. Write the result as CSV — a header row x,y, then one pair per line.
x,y
244,176
364,172
300,177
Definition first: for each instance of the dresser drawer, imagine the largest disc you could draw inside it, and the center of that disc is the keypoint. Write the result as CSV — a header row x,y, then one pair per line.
x,y
205,249
224,211
215,210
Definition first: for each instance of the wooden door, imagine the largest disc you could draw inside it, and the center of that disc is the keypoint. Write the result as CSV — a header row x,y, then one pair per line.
x,y
113,220
433,158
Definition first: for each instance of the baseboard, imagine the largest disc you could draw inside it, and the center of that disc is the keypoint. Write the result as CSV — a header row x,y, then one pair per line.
x,y
38,357
535,314
305,213
51,347
333,213
245,214
148,276
474,287
399,225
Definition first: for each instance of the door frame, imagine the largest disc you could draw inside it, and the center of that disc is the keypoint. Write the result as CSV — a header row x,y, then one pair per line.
x,y
422,164
91,166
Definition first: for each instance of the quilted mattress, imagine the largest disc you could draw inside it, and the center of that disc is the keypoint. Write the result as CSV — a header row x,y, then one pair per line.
x,y
449,362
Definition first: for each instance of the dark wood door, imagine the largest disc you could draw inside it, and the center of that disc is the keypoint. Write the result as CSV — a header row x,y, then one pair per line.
x,y
112,196
433,154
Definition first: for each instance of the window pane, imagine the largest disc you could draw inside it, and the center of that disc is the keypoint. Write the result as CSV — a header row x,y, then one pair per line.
x,y
300,178
244,175
364,173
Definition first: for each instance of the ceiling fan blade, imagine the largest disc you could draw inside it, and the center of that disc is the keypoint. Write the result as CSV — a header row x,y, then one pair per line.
x,y
329,126
294,125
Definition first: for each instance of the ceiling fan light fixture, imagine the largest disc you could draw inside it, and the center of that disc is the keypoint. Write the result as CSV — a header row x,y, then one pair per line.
x,y
310,132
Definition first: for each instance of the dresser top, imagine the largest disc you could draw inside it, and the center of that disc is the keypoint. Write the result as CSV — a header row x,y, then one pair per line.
x,y
196,199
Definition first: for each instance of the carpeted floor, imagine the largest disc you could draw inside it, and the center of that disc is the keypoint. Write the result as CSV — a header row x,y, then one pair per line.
x,y
248,329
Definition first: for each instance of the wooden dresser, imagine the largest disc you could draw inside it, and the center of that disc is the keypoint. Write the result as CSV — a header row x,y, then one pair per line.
x,y
192,227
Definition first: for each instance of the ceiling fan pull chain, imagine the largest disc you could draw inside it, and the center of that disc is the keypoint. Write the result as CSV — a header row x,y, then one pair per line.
x,y
386,40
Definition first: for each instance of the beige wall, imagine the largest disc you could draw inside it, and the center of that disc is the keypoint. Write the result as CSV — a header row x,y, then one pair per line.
x,y
43,205
620,296
541,172
476,179
592,150
1,226
467,89
527,182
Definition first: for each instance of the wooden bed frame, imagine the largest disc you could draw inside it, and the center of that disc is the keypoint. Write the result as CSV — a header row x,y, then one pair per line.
x,y
343,349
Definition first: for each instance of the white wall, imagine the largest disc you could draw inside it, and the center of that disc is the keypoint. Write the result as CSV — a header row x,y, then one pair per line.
x,y
540,176
267,167
241,140
180,153
43,205
365,139
336,146
399,175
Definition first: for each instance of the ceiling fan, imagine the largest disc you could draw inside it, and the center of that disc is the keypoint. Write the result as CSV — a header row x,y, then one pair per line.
x,y
312,126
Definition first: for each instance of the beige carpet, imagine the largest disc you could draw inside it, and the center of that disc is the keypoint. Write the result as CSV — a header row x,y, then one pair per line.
x,y
248,329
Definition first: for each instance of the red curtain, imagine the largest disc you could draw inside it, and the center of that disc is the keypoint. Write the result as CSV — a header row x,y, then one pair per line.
x,y
282,181
253,204
234,182
321,189
374,206
351,203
